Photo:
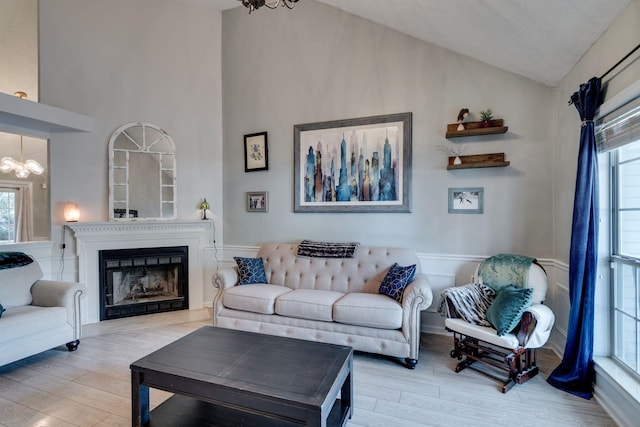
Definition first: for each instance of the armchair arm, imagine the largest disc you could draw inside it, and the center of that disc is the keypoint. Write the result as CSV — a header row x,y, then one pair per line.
x,y
537,322
53,293
417,296
225,278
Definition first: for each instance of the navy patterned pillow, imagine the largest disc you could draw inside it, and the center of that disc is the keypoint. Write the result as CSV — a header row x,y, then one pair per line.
x,y
251,270
396,280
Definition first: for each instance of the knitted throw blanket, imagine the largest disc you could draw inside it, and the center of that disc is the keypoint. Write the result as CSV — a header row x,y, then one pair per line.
x,y
14,259
307,248
502,270
470,302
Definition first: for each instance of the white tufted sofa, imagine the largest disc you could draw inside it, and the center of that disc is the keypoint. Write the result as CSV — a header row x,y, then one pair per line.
x,y
332,300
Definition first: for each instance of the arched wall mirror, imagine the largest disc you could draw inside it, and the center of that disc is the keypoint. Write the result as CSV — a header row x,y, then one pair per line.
x,y
142,173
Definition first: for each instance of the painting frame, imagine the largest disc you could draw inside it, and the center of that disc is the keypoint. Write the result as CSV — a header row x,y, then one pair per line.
x,y
257,201
256,152
395,196
473,203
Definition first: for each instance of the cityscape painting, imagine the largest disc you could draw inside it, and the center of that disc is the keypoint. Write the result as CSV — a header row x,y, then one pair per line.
x,y
354,165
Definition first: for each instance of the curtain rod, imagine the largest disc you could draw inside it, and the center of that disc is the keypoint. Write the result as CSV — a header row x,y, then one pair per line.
x,y
615,65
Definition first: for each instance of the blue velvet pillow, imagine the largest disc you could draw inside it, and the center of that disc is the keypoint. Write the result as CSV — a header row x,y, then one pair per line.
x,y
251,270
396,279
506,310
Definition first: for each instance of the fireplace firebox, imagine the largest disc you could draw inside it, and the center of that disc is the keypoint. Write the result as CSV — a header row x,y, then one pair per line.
x,y
141,281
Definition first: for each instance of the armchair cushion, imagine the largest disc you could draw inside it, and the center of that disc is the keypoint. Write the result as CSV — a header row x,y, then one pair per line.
x,y
396,279
251,270
506,310
16,287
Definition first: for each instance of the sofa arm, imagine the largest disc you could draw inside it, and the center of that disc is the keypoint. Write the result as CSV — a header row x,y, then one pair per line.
x,y
417,296
225,278
418,293
53,293
544,320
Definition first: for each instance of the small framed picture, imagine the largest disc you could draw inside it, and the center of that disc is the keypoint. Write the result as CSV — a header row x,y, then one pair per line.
x,y
257,201
256,152
466,200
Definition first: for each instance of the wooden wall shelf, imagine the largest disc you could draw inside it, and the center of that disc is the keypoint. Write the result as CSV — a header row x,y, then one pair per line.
x,y
494,160
476,128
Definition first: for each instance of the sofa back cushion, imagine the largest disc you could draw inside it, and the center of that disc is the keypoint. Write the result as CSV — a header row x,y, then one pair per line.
x,y
15,284
362,273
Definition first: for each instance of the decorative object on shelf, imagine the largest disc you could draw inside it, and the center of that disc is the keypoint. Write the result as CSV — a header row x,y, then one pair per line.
x,y
476,128
454,150
271,4
71,212
466,200
257,201
486,116
22,168
256,152
493,160
337,168
463,116
204,206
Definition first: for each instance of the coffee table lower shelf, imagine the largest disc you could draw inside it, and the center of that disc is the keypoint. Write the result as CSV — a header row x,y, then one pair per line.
x,y
187,411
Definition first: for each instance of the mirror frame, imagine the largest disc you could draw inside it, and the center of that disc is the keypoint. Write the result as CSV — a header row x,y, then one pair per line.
x,y
143,147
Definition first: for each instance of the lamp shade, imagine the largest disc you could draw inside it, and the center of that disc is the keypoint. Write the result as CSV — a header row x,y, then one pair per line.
x,y
71,212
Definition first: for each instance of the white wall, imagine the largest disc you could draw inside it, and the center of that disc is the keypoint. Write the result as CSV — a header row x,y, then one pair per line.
x,y
120,61
317,63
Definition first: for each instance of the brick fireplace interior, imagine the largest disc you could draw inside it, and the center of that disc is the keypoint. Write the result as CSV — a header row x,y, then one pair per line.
x,y
141,281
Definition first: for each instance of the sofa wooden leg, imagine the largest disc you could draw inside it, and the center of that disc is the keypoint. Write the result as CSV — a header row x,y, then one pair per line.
x,y
410,363
73,345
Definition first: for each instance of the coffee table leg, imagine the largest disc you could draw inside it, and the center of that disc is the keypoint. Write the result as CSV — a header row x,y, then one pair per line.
x,y
346,393
139,401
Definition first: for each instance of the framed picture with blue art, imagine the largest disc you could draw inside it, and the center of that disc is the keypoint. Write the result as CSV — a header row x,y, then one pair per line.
x,y
256,152
353,165
466,200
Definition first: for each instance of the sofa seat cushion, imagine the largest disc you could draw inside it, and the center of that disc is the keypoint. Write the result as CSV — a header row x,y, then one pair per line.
x,y
313,304
254,298
15,284
367,309
18,322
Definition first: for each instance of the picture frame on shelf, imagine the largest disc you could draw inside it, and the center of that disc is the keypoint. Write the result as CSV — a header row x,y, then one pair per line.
x,y
256,152
466,200
353,165
257,201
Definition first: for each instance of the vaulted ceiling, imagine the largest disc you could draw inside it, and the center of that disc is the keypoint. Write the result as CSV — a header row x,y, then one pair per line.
x,y
538,39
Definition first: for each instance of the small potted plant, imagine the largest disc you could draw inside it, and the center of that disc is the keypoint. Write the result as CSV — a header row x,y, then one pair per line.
x,y
486,116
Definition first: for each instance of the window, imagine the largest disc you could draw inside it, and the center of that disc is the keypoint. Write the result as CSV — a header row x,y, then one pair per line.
x,y
625,255
619,133
7,215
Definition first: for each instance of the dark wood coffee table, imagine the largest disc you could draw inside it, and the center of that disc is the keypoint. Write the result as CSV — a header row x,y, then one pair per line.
x,y
223,377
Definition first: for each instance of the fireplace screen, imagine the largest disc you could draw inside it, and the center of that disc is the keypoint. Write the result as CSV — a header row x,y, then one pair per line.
x,y
143,281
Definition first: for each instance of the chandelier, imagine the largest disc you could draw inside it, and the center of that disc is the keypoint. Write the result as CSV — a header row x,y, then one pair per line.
x,y
271,4
23,169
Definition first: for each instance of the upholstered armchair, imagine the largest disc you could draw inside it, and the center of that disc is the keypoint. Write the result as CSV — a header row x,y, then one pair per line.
x,y
499,320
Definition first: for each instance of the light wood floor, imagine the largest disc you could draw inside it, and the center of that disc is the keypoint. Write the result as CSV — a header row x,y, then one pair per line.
x,y
91,387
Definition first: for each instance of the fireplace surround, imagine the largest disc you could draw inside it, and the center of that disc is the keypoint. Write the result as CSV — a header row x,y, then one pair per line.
x,y
93,237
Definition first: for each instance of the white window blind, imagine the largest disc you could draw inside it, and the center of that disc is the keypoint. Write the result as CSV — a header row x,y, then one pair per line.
x,y
619,127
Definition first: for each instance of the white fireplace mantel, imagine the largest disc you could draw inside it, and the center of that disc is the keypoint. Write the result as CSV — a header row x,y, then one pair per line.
x,y
92,237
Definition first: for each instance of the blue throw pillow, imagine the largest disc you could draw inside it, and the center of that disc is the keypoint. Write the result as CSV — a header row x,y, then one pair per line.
x,y
1,310
396,279
506,310
251,270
